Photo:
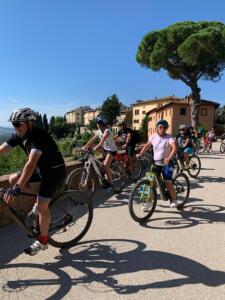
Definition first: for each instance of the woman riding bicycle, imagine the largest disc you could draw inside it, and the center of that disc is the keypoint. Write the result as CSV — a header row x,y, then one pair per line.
x,y
164,148
107,142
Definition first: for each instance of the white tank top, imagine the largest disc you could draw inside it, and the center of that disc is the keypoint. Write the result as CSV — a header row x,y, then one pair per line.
x,y
109,144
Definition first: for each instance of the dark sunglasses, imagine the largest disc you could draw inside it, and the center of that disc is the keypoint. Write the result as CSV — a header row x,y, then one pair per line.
x,y
161,126
16,125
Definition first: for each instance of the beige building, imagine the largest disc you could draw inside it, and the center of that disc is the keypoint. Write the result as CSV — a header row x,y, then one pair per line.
x,y
91,115
140,108
77,115
178,112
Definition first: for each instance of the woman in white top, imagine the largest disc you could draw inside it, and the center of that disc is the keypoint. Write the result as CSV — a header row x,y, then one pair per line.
x,y
107,142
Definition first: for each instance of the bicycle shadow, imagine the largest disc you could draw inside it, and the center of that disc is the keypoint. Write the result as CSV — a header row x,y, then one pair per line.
x,y
216,179
104,265
191,215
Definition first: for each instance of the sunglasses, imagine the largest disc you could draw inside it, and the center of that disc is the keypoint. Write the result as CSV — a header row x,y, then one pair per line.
x,y
161,126
16,125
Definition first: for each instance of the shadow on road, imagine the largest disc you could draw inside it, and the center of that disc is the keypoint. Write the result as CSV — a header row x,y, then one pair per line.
x,y
100,266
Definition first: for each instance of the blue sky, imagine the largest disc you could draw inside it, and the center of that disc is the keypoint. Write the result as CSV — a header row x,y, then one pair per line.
x,y
56,55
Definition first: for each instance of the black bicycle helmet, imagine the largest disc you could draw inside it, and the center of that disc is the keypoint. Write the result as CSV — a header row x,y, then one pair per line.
x,y
100,121
164,123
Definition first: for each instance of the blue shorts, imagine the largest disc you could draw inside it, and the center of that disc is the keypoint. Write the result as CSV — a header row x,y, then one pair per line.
x,y
166,171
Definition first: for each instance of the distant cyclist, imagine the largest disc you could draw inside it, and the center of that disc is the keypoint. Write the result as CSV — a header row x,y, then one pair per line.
x,y
164,149
210,138
105,135
45,164
128,137
185,143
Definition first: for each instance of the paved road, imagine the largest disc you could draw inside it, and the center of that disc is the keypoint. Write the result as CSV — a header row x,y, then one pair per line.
x,y
178,255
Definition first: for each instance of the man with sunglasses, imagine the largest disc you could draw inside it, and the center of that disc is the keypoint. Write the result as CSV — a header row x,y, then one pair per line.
x,y
164,148
45,164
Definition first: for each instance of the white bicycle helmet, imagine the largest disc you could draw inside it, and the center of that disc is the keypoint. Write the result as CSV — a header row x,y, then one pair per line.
x,y
22,115
182,126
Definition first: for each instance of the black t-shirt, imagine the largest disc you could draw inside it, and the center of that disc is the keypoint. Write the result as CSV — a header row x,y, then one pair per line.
x,y
181,139
124,132
39,139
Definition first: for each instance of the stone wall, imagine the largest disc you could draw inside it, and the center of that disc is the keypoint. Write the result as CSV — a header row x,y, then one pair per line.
x,y
25,203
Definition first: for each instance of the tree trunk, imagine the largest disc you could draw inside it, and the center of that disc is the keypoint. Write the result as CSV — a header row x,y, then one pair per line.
x,y
195,105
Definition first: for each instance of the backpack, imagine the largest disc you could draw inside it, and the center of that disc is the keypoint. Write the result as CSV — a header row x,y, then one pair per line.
x,y
136,137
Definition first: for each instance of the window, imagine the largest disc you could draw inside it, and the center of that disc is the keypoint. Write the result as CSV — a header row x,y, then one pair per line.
x,y
136,112
143,112
136,121
183,111
203,112
150,118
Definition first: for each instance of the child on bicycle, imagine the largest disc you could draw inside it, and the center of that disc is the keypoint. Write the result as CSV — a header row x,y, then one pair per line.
x,y
164,148
185,143
107,143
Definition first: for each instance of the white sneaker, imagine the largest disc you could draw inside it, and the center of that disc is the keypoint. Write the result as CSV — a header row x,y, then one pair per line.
x,y
174,204
146,206
35,248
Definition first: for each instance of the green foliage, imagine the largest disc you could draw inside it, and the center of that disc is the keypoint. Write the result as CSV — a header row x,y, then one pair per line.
x,y
65,147
110,109
92,124
12,161
220,115
144,129
188,51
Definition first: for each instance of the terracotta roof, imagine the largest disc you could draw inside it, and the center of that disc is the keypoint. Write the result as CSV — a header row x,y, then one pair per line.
x,y
180,102
173,98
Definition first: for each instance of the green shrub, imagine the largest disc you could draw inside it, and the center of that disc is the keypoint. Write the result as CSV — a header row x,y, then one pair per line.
x,y
12,161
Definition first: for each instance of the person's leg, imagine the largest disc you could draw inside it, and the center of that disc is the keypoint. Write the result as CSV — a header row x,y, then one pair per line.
x,y
167,177
131,158
107,163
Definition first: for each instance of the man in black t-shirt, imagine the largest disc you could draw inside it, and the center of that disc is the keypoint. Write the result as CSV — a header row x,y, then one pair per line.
x,y
127,135
45,164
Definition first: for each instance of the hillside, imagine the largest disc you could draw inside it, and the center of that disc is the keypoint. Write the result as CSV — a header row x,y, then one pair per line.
x,y
5,133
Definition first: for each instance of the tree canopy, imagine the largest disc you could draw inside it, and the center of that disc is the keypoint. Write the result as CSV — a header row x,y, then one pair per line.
x,y
110,109
188,51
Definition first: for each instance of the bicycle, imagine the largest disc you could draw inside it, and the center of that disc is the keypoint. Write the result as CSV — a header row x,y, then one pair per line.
x,y
145,193
71,217
123,158
83,178
191,164
222,146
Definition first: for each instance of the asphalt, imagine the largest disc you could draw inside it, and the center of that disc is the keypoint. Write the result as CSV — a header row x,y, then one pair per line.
x,y
176,255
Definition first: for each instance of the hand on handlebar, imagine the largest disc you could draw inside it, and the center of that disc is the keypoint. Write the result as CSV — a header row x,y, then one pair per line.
x,y
11,193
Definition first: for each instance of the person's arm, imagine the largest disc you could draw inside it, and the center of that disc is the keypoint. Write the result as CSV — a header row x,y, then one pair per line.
x,y
144,149
91,141
29,167
28,170
172,153
105,135
186,142
4,148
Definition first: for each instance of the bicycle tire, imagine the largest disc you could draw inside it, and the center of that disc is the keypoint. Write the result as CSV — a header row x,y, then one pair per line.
x,y
190,168
137,169
68,210
133,198
119,177
179,188
146,160
222,148
73,181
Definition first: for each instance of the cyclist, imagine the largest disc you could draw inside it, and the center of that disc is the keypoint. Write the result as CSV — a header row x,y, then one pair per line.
x,y
107,142
185,144
210,138
45,164
127,135
164,149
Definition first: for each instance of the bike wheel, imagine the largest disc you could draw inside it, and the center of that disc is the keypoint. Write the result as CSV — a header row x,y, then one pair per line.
x,y
222,148
137,169
118,175
146,160
76,181
181,184
194,166
71,217
142,201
